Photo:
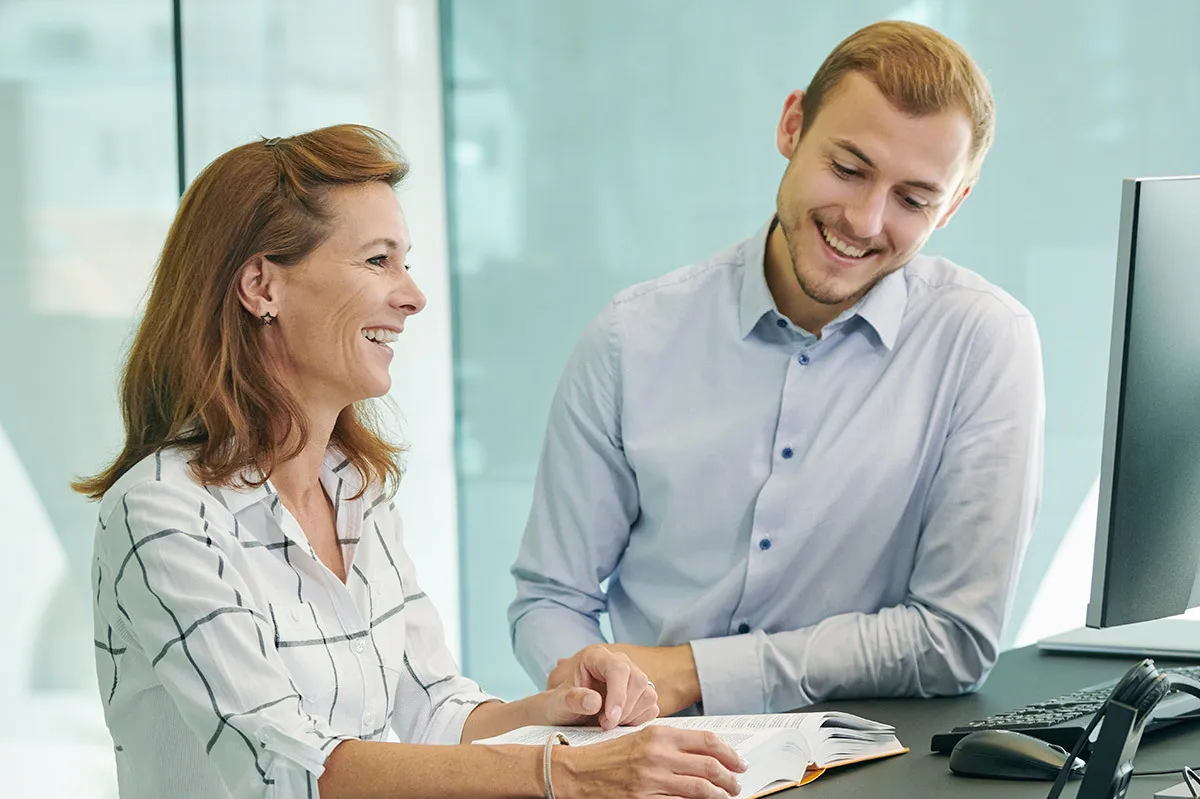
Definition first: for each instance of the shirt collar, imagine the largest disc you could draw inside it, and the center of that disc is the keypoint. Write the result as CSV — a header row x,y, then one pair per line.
x,y
883,306
756,300
334,467
240,496
335,470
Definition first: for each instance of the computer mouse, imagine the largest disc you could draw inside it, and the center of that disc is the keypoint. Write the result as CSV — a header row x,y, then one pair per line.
x,y
1006,755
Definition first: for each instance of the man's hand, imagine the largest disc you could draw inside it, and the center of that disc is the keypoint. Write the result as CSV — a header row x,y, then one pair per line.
x,y
602,685
670,669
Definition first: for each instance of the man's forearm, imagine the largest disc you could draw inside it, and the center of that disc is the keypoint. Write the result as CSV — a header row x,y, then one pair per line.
x,y
899,651
547,632
906,650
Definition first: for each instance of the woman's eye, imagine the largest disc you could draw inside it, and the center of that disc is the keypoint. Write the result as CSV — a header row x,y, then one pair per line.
x,y
914,203
378,260
843,170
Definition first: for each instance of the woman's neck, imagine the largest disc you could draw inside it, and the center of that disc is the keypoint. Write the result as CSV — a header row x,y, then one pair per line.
x,y
299,478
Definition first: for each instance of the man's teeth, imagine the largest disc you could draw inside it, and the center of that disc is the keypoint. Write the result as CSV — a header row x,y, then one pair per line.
x,y
841,246
381,336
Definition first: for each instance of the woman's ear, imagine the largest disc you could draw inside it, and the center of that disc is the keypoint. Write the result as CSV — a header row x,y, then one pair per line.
x,y
258,288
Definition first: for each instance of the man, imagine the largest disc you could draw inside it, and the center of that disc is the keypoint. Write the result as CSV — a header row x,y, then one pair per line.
x,y
807,467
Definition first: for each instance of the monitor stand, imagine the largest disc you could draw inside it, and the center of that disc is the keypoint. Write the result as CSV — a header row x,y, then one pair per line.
x,y
1175,638
1175,790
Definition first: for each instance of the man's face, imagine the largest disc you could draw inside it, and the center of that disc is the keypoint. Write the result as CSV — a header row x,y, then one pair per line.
x,y
864,188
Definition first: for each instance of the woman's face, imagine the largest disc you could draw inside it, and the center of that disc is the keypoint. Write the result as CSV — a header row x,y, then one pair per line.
x,y
340,309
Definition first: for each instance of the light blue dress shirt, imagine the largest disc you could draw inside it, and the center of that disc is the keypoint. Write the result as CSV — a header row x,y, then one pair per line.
x,y
819,517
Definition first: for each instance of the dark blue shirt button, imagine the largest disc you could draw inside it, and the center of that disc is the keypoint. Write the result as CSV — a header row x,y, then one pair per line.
x,y
781,322
787,452
764,544
743,628
803,359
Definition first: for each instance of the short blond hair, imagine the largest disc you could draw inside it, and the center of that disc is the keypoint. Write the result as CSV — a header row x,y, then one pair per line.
x,y
919,70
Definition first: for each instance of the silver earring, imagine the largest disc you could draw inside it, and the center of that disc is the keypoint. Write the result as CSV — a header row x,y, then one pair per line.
x,y
267,319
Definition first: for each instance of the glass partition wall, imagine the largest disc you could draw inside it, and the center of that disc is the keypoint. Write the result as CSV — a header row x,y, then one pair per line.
x,y
585,147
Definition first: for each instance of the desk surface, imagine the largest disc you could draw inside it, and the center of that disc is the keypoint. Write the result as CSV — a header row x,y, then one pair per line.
x,y
1020,677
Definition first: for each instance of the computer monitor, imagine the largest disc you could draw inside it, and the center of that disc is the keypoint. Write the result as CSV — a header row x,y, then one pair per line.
x,y
1147,547
1148,519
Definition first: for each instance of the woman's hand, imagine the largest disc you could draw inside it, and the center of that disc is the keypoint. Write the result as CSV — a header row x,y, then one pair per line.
x,y
672,670
604,686
652,762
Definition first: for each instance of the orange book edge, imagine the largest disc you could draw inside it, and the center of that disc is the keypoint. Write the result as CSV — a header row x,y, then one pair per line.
x,y
814,772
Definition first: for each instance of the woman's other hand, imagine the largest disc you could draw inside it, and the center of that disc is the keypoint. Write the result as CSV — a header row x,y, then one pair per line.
x,y
606,687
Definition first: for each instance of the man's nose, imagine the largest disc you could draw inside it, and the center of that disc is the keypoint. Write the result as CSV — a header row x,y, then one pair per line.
x,y
865,214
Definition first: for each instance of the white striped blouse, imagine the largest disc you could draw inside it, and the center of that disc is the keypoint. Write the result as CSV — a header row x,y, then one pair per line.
x,y
231,660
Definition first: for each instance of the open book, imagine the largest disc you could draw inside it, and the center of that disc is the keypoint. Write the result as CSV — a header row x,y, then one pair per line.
x,y
784,749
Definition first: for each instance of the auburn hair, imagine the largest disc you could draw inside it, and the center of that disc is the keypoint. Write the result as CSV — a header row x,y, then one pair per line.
x,y
919,70
196,376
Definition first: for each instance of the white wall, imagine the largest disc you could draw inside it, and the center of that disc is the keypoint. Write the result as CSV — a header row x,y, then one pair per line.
x,y
422,373
270,69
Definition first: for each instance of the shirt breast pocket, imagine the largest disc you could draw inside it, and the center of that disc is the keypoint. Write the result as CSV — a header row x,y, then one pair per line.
x,y
306,651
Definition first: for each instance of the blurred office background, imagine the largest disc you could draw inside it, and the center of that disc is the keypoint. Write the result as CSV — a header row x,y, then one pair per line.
x,y
561,150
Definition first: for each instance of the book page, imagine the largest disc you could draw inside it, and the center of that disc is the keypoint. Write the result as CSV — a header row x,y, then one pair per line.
x,y
780,747
796,721
582,736
816,727
777,758
576,736
841,752
834,738
802,721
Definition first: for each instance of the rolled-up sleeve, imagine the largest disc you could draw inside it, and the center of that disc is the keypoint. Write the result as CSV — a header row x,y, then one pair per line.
x,y
433,698
434,685
169,586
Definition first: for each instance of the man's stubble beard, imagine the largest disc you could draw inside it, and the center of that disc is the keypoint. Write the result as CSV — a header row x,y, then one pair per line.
x,y
814,293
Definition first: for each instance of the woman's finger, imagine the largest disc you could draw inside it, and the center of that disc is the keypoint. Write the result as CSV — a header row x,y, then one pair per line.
x,y
614,671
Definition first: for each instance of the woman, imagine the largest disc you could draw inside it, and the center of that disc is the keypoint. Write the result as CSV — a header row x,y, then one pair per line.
x,y
258,624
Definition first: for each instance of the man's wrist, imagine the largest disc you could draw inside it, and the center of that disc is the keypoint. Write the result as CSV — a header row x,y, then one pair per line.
x,y
685,678
673,671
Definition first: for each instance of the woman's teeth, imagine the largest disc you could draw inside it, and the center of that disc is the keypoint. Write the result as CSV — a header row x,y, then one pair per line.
x,y
380,335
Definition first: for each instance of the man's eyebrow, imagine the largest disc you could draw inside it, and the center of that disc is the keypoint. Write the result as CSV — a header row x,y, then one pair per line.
x,y
386,242
851,148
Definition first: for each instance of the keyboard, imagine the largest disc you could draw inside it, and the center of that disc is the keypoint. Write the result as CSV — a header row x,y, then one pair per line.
x,y
1063,719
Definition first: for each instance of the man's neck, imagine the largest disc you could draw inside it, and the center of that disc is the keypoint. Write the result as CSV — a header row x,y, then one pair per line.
x,y
790,299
